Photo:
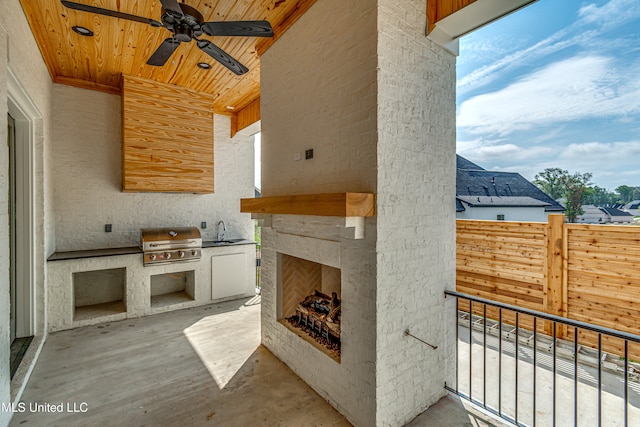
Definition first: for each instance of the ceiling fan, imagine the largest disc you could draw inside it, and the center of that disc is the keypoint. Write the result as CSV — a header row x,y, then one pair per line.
x,y
187,24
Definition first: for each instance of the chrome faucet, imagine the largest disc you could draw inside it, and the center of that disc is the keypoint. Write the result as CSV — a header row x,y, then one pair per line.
x,y
220,236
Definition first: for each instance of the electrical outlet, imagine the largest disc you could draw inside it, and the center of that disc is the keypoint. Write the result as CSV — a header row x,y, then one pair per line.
x,y
203,225
308,154
297,156
107,228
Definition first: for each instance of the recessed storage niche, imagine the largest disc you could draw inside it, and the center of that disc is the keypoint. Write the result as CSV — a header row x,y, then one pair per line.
x,y
99,293
172,288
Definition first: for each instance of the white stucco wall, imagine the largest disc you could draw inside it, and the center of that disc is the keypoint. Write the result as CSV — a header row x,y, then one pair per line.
x,y
416,222
87,164
19,52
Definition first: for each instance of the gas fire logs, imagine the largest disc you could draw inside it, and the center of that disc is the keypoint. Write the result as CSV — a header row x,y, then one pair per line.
x,y
319,316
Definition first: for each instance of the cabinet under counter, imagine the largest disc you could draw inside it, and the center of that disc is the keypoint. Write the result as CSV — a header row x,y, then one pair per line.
x,y
224,273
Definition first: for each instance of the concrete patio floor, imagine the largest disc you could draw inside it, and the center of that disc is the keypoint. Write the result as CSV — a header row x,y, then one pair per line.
x,y
202,366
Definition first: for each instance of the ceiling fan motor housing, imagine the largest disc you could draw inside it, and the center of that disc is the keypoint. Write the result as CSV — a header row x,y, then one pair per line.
x,y
184,27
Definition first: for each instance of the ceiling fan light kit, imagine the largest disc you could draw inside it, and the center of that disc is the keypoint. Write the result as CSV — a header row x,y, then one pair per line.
x,y
186,24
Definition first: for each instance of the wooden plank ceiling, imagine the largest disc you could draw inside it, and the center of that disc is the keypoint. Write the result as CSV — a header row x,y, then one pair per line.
x,y
440,9
121,46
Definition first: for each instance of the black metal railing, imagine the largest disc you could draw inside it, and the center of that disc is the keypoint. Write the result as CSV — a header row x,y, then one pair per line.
x,y
258,266
544,372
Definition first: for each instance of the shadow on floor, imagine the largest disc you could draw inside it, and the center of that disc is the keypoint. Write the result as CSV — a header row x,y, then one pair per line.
x,y
202,366
165,370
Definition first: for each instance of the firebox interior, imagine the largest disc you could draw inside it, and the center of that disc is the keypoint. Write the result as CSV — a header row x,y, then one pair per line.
x,y
310,302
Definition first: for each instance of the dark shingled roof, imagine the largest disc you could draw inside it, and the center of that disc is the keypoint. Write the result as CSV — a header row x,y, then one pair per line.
x,y
462,163
615,212
516,201
498,188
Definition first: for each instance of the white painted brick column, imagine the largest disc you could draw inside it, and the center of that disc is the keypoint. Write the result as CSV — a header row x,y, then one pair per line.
x,y
360,83
416,215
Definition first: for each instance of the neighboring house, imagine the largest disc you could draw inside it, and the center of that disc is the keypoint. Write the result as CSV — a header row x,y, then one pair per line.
x,y
508,196
598,215
633,208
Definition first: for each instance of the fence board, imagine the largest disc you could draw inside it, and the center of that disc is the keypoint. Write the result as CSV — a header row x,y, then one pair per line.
x,y
594,270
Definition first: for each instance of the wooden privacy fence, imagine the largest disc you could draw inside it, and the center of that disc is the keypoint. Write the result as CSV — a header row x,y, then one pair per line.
x,y
584,272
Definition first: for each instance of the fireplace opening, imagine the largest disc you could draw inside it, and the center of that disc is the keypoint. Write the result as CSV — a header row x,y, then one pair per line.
x,y
311,302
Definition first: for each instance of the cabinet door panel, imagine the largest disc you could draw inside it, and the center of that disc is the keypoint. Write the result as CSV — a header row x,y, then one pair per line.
x,y
228,275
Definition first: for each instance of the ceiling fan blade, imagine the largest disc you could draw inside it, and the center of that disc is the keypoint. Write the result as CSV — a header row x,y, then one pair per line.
x,y
222,57
172,7
163,52
238,28
108,12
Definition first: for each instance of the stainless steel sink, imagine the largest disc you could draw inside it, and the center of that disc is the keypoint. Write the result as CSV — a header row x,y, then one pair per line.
x,y
226,242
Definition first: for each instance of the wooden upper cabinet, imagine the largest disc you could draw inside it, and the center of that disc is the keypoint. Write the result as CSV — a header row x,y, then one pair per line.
x,y
167,143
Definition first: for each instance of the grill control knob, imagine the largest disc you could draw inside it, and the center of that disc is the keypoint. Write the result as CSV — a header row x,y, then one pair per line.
x,y
152,257
194,252
181,254
167,255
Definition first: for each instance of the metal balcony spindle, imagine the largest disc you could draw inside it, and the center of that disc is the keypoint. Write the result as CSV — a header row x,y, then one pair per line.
x,y
626,383
470,347
517,355
500,364
457,351
553,411
535,350
599,379
484,356
575,379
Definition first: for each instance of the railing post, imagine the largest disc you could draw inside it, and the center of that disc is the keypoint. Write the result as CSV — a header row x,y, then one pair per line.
x,y
554,294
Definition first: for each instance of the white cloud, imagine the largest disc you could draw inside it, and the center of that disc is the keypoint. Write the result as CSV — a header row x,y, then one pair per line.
x,y
596,153
490,72
610,14
480,151
612,164
587,30
536,121
573,89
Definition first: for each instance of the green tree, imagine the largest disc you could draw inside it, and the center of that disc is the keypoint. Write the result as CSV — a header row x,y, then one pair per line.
x,y
575,189
626,193
551,181
599,196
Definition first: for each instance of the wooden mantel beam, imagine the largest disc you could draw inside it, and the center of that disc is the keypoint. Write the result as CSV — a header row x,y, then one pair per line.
x,y
335,204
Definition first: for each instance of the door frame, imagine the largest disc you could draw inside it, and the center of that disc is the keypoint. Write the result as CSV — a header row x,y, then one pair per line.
x,y
25,115
11,133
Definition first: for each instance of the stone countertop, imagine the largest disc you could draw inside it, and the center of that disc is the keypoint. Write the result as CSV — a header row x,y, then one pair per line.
x,y
234,242
130,250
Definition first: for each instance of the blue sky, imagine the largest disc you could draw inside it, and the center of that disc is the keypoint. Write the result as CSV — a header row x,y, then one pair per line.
x,y
556,84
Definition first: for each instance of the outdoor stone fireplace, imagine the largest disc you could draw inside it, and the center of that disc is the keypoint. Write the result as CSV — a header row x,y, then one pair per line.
x,y
311,302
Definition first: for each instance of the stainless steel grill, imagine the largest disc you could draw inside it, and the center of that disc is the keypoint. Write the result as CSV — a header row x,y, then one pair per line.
x,y
169,245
